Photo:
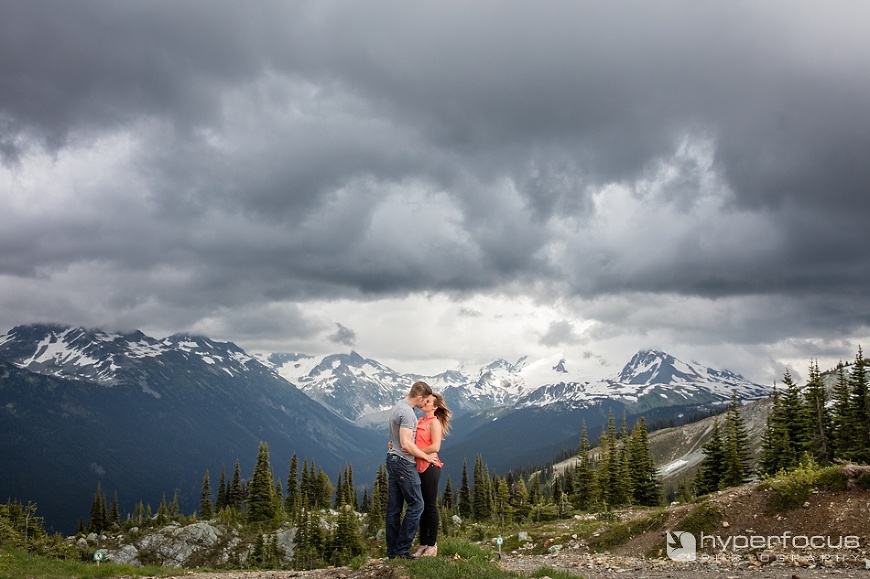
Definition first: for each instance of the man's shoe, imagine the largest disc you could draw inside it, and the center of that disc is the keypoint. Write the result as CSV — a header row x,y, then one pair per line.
x,y
404,556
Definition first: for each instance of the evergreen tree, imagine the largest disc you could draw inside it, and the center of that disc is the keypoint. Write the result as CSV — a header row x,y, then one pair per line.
x,y
366,504
737,456
502,507
520,499
480,492
291,501
97,524
223,490
713,465
645,484
465,505
305,485
234,495
162,511
380,494
205,506
447,497
261,498
793,418
585,475
346,543
324,490
339,492
351,497
174,508
841,414
817,417
139,512
858,449
114,511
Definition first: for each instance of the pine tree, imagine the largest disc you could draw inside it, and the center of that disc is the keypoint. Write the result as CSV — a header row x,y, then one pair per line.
x,y
346,543
339,492
162,511
502,507
139,512
737,454
351,497
841,414
817,417
97,524
447,497
174,508
234,495
324,489
712,467
585,475
520,499
481,503
114,511
859,420
792,416
261,499
291,501
645,484
380,494
223,490
465,505
205,506
366,503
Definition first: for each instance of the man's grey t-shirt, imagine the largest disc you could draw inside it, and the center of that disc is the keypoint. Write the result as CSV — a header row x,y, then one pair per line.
x,y
402,416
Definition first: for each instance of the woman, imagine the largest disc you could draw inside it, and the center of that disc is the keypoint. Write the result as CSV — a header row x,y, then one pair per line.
x,y
431,430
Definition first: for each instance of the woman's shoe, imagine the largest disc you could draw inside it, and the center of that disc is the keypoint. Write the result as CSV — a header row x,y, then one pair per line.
x,y
431,551
420,550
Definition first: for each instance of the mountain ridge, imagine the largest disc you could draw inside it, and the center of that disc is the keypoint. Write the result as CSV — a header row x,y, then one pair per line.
x,y
146,415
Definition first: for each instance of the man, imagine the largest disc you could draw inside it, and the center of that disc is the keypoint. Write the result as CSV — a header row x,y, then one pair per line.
x,y
404,482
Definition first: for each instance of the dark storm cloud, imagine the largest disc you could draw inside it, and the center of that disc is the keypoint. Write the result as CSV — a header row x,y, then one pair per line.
x,y
299,150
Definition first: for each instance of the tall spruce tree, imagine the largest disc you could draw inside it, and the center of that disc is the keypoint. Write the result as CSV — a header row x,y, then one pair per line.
x,y
841,414
447,498
221,501
737,454
480,492
645,483
114,511
291,500
859,448
261,489
234,495
817,417
466,509
713,466
205,504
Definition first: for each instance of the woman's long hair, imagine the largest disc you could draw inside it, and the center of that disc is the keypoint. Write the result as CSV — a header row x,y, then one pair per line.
x,y
442,413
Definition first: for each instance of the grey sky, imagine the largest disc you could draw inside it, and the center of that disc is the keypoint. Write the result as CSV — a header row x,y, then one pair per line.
x,y
438,182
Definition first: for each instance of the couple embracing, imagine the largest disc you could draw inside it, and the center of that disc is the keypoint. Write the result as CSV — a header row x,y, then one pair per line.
x,y
413,470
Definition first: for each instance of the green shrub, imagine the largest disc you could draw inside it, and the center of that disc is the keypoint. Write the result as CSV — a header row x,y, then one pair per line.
x,y
618,533
704,518
792,488
864,481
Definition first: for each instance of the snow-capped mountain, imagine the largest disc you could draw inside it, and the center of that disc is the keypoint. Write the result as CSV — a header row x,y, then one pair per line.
x,y
146,417
110,358
357,387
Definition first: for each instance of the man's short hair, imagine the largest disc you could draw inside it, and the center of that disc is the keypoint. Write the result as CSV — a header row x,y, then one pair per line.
x,y
420,388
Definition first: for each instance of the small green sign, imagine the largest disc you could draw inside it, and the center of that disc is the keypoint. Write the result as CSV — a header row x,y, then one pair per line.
x,y
99,555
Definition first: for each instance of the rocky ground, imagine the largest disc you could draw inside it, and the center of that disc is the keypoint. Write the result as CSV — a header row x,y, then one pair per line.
x,y
742,512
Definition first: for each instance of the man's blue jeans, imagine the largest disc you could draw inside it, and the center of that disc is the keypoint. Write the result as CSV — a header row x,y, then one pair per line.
x,y
403,487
